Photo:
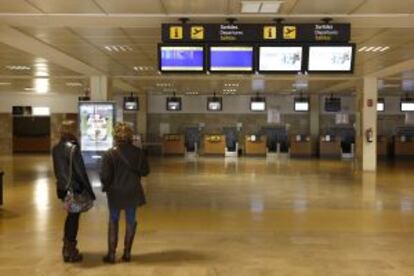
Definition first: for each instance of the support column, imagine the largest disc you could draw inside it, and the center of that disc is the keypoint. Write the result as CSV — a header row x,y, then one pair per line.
x,y
101,88
314,117
142,116
368,109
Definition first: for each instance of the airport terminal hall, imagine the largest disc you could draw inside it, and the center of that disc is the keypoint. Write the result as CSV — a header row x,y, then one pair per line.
x,y
207,137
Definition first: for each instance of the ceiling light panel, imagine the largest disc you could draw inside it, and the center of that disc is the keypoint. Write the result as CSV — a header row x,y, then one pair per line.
x,y
270,7
118,48
250,6
18,67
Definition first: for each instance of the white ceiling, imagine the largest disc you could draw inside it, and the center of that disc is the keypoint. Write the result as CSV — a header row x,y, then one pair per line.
x,y
70,37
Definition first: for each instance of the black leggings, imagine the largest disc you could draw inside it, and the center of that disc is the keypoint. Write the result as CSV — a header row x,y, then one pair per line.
x,y
71,227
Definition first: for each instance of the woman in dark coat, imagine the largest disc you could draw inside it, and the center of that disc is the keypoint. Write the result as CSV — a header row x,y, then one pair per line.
x,y
121,172
79,182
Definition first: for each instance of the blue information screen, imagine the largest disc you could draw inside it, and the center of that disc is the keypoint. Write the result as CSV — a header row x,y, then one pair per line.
x,y
228,58
182,58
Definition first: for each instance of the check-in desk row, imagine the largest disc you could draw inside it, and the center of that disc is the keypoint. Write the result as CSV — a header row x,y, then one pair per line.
x,y
254,145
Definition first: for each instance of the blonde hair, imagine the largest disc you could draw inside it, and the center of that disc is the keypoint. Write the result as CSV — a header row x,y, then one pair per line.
x,y
123,133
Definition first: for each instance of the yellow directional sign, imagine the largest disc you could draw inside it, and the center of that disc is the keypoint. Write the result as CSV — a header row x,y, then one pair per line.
x,y
289,32
197,32
176,32
269,32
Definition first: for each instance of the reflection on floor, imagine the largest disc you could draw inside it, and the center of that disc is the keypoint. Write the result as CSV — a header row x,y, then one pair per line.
x,y
216,217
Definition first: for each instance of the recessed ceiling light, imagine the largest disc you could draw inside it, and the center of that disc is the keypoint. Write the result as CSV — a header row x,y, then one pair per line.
x,y
143,68
118,48
29,89
260,6
74,84
270,7
18,67
373,49
250,6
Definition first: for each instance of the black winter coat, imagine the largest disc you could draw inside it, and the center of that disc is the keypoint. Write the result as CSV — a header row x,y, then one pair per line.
x,y
61,157
121,172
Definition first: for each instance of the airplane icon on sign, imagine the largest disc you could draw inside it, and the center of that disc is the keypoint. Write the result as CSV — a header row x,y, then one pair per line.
x,y
197,32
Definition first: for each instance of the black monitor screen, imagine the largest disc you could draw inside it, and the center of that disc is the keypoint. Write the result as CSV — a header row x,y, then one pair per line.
x,y
407,105
301,104
258,104
131,103
174,104
380,105
214,104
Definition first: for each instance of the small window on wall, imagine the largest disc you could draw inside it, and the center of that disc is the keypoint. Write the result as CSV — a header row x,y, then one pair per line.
x,y
41,111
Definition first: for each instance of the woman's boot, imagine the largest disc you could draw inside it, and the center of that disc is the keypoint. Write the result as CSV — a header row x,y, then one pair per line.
x,y
70,252
112,242
129,240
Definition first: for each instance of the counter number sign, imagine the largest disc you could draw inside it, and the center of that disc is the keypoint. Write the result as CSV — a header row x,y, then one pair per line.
x,y
197,32
269,32
289,32
176,32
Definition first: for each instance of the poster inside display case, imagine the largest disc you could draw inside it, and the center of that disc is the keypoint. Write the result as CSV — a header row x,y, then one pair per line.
x,y
96,121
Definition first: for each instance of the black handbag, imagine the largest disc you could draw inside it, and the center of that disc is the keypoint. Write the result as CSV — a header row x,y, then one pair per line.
x,y
73,202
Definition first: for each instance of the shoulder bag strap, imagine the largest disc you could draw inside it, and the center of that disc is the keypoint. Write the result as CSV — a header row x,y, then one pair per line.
x,y
69,184
125,161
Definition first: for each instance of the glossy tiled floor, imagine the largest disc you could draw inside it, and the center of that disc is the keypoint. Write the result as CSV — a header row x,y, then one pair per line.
x,y
211,217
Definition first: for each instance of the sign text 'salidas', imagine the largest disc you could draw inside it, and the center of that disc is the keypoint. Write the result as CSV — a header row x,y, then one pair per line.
x,y
230,32
325,32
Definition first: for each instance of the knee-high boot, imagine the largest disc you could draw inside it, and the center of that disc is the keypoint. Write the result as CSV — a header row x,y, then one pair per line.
x,y
129,240
112,242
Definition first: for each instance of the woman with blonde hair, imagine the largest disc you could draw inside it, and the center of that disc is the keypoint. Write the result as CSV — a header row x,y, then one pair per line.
x,y
121,172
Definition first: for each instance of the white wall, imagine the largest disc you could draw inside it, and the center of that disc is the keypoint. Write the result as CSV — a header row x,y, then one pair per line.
x,y
58,103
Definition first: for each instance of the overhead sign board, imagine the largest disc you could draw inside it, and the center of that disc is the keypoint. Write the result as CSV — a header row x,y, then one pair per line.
x,y
256,32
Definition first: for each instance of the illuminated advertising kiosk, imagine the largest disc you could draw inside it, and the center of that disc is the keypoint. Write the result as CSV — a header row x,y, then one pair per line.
x,y
96,122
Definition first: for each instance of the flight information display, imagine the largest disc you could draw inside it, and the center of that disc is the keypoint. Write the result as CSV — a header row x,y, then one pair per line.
x,y
181,58
407,106
301,105
258,104
214,104
174,104
231,58
280,59
330,58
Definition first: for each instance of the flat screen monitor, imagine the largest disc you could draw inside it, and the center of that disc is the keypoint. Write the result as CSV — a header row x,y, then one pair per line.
x,y
176,58
214,103
280,58
331,58
407,105
333,104
174,104
258,104
301,105
22,110
131,103
231,58
380,105
96,121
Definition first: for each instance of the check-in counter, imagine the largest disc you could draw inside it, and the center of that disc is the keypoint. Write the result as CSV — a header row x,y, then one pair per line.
x,y
214,144
330,147
300,146
173,144
382,146
254,145
403,147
